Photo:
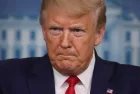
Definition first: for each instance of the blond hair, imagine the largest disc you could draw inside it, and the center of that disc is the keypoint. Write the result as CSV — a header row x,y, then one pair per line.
x,y
78,7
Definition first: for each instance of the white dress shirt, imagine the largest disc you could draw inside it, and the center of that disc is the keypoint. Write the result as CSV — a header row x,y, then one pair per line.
x,y
83,87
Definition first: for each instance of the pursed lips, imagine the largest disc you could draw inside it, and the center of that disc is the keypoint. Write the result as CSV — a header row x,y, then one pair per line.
x,y
68,56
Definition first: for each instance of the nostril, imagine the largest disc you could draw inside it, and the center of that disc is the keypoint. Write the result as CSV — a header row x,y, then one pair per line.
x,y
65,44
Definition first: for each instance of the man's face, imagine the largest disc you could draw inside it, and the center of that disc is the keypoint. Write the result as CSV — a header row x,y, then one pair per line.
x,y
70,40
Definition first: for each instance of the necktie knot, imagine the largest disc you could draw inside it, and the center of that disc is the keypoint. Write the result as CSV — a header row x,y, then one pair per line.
x,y
72,81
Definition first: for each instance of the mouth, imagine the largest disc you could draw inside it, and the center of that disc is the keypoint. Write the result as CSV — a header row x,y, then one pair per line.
x,y
66,57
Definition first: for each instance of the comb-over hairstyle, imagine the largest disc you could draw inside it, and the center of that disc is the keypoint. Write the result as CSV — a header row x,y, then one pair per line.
x,y
78,7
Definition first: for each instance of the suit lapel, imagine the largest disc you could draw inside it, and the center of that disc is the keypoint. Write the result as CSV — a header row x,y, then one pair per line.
x,y
102,75
41,79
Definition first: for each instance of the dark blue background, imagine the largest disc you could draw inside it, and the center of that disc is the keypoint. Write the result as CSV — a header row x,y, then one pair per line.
x,y
32,7
20,7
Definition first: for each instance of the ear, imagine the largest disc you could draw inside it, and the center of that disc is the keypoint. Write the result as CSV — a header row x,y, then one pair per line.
x,y
99,35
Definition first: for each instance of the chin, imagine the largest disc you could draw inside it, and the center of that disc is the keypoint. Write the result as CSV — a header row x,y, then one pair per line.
x,y
68,72
67,67
66,64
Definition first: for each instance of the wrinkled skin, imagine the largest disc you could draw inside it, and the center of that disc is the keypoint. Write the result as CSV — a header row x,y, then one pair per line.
x,y
70,40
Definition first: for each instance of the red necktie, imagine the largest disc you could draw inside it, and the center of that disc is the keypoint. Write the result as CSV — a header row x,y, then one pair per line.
x,y
72,81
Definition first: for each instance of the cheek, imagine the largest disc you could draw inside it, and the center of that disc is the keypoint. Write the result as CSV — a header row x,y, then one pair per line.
x,y
84,47
52,43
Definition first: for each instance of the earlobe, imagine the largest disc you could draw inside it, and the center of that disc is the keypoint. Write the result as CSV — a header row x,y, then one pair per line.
x,y
99,36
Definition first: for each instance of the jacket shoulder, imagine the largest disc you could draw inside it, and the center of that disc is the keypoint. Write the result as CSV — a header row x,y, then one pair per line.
x,y
16,66
123,71
128,70
128,74
124,76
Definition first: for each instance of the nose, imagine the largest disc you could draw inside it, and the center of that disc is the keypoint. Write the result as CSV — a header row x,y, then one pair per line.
x,y
65,40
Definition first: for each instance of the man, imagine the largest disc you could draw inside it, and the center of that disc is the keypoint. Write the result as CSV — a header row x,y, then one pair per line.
x,y
71,30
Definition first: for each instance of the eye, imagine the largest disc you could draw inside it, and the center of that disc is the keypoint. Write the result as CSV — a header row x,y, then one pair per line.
x,y
54,30
78,32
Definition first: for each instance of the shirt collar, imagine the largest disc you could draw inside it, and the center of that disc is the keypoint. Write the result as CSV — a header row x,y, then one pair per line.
x,y
59,79
87,74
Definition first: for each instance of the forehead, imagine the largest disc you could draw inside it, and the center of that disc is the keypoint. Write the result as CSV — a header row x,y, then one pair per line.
x,y
54,13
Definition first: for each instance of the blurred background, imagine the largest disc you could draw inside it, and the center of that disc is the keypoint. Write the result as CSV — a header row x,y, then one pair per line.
x,y
21,36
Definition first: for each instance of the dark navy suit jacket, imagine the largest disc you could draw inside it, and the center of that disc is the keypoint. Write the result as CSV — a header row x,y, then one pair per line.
x,y
35,76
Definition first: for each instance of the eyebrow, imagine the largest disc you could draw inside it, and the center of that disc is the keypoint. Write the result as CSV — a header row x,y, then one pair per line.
x,y
72,26
77,27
